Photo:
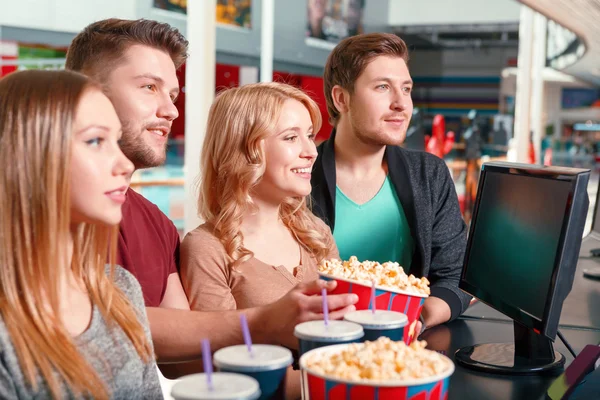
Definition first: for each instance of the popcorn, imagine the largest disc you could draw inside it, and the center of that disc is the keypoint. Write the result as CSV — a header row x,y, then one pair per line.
x,y
381,360
389,274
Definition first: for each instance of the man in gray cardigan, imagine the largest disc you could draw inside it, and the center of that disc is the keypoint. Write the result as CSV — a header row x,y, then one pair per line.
x,y
382,202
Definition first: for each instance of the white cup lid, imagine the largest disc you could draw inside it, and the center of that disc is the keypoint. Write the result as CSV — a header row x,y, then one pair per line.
x,y
265,357
226,386
382,319
335,331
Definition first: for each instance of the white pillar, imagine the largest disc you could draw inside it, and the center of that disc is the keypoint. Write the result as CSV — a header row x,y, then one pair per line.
x,y
538,63
199,94
266,40
248,75
520,144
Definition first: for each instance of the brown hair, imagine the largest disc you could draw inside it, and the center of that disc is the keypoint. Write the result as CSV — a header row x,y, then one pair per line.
x,y
101,45
350,58
37,112
233,162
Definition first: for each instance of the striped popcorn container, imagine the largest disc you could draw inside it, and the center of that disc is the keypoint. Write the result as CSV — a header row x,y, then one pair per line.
x,y
409,304
320,387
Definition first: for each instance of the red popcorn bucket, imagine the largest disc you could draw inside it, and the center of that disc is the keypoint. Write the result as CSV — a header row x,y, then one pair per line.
x,y
320,387
401,301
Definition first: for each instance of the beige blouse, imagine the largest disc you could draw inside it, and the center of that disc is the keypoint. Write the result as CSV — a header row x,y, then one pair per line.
x,y
211,285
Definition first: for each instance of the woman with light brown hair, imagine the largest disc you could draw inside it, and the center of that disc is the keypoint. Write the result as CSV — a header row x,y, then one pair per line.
x,y
260,239
71,326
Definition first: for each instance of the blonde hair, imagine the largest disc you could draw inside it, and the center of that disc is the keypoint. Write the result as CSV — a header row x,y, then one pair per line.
x,y
37,111
233,162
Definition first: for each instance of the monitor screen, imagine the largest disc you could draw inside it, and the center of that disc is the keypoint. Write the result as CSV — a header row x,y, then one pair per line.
x,y
515,240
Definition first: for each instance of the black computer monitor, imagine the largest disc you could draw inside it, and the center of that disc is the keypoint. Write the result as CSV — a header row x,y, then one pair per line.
x,y
521,256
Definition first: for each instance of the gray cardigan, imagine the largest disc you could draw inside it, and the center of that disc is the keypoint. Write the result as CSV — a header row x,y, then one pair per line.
x,y
428,196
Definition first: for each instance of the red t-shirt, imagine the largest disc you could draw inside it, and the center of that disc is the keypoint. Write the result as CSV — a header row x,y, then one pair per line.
x,y
148,246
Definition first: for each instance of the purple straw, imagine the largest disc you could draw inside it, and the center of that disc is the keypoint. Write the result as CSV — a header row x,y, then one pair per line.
x,y
246,333
325,309
373,306
207,361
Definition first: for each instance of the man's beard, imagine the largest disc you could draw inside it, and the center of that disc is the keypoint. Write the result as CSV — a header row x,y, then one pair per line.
x,y
135,148
371,137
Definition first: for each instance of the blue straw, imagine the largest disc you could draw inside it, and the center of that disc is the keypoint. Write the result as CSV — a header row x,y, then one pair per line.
x,y
246,333
207,361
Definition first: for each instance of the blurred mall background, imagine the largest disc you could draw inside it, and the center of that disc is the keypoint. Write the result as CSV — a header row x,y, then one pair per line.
x,y
499,79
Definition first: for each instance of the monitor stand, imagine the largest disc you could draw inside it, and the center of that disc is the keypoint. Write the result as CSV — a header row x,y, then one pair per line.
x,y
531,353
592,273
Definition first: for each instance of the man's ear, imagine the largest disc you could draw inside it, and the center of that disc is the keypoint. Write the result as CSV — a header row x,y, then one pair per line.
x,y
341,99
